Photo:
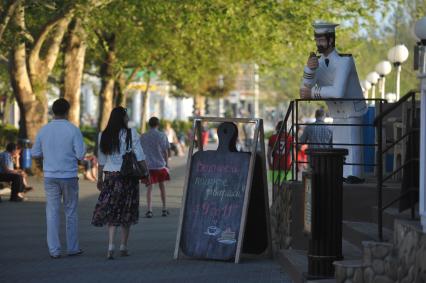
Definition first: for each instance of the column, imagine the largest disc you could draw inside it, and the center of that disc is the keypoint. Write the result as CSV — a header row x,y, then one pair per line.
x,y
136,107
422,181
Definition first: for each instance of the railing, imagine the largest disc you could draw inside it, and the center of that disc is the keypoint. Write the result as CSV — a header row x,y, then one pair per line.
x,y
293,113
276,180
292,131
378,123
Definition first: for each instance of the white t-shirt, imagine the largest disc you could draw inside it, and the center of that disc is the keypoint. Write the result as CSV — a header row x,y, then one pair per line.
x,y
112,162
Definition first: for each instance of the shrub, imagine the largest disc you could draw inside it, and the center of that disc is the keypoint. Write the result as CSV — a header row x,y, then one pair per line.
x,y
8,133
90,135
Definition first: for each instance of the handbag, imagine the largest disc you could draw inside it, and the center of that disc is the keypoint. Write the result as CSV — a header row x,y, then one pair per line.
x,y
130,168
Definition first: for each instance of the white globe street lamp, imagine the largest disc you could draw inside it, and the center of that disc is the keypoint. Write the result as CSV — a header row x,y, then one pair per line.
x,y
398,55
373,78
383,68
391,97
420,30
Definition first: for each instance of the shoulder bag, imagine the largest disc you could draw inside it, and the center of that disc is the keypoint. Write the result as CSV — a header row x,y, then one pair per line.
x,y
131,168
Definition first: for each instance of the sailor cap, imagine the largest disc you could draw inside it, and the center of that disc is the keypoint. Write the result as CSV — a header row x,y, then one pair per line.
x,y
324,27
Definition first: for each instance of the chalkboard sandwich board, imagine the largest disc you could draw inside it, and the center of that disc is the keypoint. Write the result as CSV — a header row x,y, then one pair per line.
x,y
218,212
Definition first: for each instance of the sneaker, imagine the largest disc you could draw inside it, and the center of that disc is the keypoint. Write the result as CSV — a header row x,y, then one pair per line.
x,y
55,256
79,252
164,212
149,214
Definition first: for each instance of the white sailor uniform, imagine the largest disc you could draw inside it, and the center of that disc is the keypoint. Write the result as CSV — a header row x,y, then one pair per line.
x,y
336,77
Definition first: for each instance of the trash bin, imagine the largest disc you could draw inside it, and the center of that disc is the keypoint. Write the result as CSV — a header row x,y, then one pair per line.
x,y
25,160
325,243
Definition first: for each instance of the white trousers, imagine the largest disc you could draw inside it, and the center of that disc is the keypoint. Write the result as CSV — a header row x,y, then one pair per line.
x,y
57,189
350,135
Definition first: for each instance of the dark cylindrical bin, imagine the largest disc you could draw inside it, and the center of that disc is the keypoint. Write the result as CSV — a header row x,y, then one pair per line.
x,y
325,243
25,153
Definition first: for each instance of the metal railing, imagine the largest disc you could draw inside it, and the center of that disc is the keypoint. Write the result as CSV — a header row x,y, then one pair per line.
x,y
292,131
292,118
378,123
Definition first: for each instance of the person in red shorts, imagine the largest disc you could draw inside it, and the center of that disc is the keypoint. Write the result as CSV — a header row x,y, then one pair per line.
x,y
156,147
279,158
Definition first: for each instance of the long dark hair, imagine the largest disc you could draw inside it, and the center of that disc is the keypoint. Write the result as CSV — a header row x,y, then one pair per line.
x,y
110,138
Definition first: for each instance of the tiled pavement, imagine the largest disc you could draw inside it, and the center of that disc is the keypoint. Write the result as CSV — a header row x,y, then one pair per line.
x,y
24,257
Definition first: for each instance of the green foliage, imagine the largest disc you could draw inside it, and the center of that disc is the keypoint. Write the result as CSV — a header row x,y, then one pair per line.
x,y
8,133
182,127
90,135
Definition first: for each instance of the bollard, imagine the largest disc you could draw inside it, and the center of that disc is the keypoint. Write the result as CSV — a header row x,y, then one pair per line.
x,y
325,243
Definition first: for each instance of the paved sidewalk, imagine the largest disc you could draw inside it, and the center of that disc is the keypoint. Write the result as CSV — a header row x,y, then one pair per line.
x,y
24,257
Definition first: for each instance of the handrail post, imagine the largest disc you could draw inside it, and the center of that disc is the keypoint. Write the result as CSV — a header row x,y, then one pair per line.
x,y
379,174
293,163
297,140
413,117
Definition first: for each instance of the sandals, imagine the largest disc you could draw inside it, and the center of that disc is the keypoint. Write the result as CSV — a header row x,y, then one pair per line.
x,y
124,252
149,213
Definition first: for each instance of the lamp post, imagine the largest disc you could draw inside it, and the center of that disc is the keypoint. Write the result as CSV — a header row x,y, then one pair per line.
x,y
372,78
420,30
220,84
383,68
398,55
256,91
366,86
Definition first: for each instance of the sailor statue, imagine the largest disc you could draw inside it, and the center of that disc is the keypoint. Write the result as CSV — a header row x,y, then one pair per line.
x,y
333,75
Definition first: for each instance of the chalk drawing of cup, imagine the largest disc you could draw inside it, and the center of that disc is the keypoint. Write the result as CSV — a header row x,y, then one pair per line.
x,y
213,231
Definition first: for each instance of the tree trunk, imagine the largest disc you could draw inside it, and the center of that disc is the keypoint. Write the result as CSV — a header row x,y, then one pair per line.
x,y
31,106
73,69
199,105
107,84
121,87
7,15
29,74
120,91
144,105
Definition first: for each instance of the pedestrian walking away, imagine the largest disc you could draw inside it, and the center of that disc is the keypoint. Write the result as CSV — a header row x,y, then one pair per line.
x,y
156,147
279,155
118,202
60,145
318,135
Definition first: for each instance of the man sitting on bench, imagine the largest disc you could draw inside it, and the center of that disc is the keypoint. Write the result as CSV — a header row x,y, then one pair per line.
x,y
9,174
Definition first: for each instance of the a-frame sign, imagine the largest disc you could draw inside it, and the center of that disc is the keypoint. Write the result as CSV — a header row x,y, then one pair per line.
x,y
225,205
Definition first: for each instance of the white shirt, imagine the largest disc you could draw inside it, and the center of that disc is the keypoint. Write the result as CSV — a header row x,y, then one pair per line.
x,y
338,79
112,162
61,145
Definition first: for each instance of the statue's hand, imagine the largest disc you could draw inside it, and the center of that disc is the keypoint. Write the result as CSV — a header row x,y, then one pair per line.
x,y
305,93
312,62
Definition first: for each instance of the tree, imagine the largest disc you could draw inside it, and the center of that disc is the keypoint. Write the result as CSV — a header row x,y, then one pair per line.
x,y
34,51
29,70
74,55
